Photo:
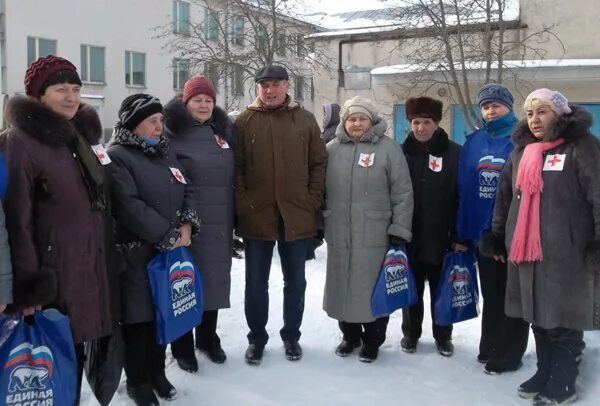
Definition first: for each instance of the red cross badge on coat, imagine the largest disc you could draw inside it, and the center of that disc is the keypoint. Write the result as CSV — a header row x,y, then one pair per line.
x,y
101,154
554,162
178,175
366,160
435,163
221,142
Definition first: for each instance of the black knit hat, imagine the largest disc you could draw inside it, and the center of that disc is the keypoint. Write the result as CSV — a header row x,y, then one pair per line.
x,y
136,108
424,107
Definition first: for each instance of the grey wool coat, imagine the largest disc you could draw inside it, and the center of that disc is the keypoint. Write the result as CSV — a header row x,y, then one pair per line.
x,y
365,203
562,289
211,172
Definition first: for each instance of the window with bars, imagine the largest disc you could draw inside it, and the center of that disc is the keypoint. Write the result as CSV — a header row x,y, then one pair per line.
x,y
181,72
181,17
38,47
135,68
92,64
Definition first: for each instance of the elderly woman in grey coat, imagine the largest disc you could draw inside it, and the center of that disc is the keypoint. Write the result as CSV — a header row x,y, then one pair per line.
x,y
553,238
369,204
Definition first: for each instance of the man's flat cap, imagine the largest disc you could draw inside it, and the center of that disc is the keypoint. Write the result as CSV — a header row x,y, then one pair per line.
x,y
271,72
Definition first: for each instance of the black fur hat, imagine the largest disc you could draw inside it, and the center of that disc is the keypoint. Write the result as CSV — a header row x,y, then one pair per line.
x,y
424,107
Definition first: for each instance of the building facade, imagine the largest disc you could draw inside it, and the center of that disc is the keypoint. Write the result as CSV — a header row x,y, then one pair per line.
x,y
121,48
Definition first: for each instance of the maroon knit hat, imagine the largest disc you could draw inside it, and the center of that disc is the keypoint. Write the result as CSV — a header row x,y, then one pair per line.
x,y
198,85
41,70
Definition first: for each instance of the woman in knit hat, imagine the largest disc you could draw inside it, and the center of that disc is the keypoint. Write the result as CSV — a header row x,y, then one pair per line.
x,y
153,207
433,162
368,180
201,136
503,339
55,202
551,240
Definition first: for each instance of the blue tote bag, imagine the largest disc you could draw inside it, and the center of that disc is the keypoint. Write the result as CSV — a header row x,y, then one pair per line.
x,y
38,360
177,292
457,296
395,287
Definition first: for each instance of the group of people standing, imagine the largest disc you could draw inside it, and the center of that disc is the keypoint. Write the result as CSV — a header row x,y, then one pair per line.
x,y
83,223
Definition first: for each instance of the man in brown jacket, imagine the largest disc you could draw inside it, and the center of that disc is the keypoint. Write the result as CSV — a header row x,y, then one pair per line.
x,y
280,177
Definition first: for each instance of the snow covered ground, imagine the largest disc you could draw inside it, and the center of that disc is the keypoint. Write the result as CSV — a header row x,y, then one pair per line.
x,y
321,378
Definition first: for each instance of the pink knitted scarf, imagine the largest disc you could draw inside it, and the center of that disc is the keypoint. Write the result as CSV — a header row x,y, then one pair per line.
x,y
526,243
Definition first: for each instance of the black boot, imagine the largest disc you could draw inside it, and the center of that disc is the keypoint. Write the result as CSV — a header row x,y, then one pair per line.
x,y
293,351
368,353
188,364
215,353
543,351
566,354
346,348
254,354
163,387
142,395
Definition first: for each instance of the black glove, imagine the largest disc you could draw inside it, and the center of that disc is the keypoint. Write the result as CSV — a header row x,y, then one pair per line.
x,y
492,244
320,235
395,240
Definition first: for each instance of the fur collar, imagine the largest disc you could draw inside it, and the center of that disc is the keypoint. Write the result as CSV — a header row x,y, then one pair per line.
x,y
568,126
436,146
178,120
34,118
127,138
288,104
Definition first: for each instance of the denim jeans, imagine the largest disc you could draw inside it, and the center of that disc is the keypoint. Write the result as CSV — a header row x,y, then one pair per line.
x,y
259,254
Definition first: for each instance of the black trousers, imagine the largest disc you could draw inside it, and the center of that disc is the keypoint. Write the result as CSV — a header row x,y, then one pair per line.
x,y
503,339
206,337
412,317
144,357
80,357
372,334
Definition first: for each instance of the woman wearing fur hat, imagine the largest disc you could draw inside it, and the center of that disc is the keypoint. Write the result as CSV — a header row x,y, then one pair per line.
x,y
369,204
552,239
55,202
433,162
503,339
201,136
153,206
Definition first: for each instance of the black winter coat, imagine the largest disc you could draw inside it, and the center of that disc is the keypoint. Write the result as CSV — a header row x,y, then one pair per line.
x,y
211,171
149,205
435,195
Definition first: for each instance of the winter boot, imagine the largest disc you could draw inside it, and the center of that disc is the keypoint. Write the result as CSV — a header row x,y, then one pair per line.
x,y
254,354
293,351
188,364
142,395
215,353
368,353
445,347
346,348
163,387
408,344
564,368
543,350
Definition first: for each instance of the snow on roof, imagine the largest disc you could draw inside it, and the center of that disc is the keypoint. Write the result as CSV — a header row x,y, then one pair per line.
x,y
477,65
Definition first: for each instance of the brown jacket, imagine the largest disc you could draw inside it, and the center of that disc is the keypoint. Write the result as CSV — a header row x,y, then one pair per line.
x,y
280,171
56,237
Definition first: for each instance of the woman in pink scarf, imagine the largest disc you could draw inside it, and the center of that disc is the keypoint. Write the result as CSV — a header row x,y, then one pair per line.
x,y
548,207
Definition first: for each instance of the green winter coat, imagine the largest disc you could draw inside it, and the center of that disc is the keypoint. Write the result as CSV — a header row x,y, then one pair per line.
x,y
279,171
368,198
